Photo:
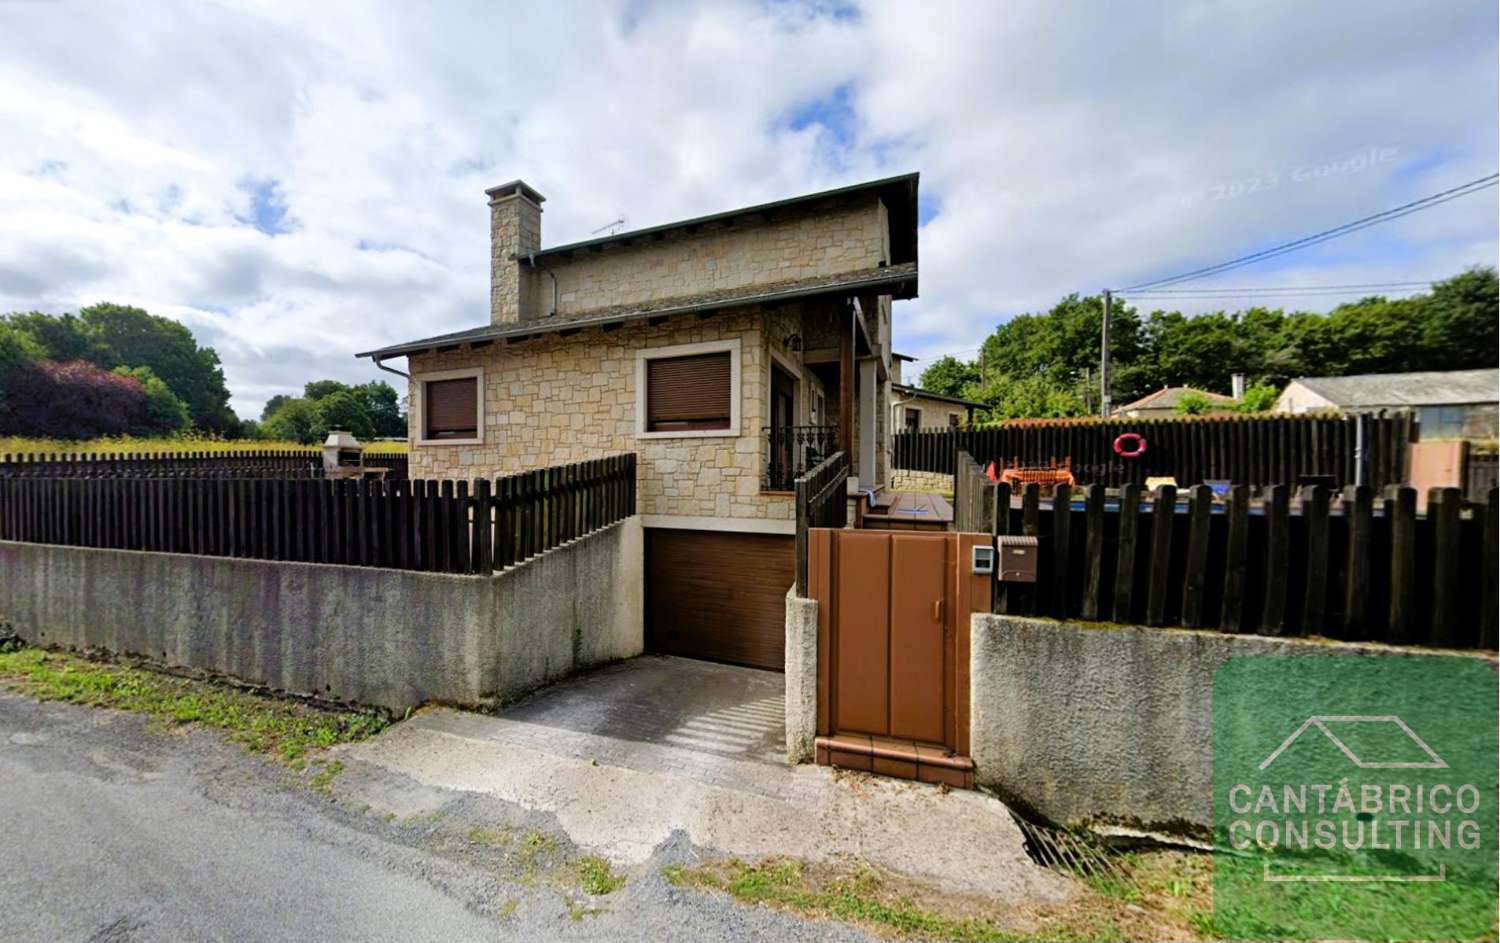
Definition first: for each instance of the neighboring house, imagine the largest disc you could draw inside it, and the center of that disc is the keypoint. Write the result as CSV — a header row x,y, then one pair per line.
x,y
915,408
730,352
1163,403
1450,404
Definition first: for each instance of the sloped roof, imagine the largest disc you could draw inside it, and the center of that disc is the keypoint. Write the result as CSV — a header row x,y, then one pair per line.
x,y
1430,388
899,280
1169,396
899,194
919,393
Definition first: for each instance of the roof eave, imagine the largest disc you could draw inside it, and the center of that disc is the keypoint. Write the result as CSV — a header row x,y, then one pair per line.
x,y
903,284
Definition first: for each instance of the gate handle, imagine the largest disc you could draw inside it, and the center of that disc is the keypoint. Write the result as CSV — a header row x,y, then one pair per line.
x,y
937,611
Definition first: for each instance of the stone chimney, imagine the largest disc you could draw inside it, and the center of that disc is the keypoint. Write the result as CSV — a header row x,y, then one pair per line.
x,y
1237,385
515,232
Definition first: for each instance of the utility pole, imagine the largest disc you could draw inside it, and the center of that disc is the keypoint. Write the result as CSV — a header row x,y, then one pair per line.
x,y
1104,401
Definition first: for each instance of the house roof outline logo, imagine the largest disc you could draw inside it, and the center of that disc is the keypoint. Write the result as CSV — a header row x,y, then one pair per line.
x,y
1321,721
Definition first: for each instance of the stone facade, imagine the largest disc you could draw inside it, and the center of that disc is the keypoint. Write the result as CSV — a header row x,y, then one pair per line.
x,y
847,236
934,482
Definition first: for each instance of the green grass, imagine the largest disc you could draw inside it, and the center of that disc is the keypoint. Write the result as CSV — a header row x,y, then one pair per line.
x,y
1165,899
596,877
16,445
284,729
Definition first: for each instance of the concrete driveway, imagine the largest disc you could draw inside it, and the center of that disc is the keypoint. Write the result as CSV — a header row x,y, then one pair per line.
x,y
638,755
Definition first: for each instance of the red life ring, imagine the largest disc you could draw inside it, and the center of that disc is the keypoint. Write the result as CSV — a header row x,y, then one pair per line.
x,y
1137,447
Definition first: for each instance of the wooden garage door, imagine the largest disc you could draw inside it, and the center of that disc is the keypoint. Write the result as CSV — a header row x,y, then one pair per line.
x,y
718,596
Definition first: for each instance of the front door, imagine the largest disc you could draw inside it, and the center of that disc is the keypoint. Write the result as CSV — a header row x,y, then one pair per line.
x,y
895,634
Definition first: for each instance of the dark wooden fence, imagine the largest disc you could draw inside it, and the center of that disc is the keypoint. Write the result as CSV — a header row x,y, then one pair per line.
x,y
1356,565
447,526
822,501
253,463
1252,450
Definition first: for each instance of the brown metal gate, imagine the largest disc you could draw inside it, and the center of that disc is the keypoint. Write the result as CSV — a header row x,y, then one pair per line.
x,y
893,644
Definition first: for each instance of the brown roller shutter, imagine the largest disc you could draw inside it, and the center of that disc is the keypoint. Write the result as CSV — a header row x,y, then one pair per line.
x,y
451,409
688,392
719,596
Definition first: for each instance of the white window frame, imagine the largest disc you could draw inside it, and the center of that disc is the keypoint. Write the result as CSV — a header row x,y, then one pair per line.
x,y
419,405
646,354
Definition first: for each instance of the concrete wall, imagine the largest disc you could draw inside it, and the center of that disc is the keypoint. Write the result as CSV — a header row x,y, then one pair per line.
x,y
801,672
1109,723
388,638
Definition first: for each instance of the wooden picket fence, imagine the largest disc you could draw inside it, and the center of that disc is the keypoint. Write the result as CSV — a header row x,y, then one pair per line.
x,y
252,463
822,500
1253,450
445,526
1353,565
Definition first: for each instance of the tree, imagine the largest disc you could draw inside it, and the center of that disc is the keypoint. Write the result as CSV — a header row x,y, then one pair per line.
x,y
346,410
947,376
384,407
317,389
130,337
164,412
297,420
1258,399
73,400
62,337
17,349
273,404
1460,324
1193,403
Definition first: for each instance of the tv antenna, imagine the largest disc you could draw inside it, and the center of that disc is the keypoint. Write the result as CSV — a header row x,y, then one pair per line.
x,y
613,226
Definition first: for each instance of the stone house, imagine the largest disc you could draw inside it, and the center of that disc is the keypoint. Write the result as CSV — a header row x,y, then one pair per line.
x,y
730,352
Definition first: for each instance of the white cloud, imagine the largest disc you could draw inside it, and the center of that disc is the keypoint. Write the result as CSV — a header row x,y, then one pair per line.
x,y
1067,148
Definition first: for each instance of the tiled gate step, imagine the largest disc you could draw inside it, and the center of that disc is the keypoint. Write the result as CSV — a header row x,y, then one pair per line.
x,y
904,759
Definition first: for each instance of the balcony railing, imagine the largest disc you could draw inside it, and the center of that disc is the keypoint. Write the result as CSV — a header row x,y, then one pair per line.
x,y
794,450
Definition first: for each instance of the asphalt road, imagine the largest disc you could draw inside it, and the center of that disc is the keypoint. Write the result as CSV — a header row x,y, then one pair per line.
x,y
113,831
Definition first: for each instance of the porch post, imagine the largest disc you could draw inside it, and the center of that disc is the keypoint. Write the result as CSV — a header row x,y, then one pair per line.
x,y
846,380
867,386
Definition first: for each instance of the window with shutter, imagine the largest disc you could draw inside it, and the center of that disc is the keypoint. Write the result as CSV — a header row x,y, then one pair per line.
x,y
688,393
452,409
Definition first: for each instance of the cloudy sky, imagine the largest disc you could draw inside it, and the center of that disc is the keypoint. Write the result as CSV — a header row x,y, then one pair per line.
x,y
299,181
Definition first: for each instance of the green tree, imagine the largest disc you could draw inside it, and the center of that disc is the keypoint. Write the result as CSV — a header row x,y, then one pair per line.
x,y
17,348
346,410
317,389
1193,403
62,337
948,376
1459,327
273,404
164,412
130,337
297,420
384,407
1258,399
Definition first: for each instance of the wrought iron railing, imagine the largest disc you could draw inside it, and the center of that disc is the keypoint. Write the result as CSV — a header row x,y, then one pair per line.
x,y
793,450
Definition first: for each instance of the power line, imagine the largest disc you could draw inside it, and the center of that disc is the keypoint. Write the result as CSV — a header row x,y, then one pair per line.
x,y
1281,289
1406,209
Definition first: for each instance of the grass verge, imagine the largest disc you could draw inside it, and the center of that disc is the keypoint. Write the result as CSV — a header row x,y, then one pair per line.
x,y
262,724
1166,900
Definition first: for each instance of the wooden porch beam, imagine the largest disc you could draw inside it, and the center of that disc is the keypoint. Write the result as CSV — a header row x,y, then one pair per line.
x,y
847,326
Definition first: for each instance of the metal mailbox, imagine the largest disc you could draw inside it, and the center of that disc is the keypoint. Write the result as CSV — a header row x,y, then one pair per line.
x,y
1017,558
